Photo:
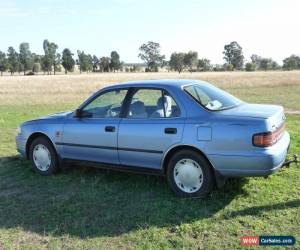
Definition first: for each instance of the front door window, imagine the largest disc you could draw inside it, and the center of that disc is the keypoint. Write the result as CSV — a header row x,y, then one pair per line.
x,y
107,105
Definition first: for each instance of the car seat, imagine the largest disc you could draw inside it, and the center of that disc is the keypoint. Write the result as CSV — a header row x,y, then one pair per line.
x,y
137,110
163,102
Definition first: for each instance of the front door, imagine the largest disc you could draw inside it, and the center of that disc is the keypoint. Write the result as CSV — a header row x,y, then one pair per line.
x,y
94,135
152,125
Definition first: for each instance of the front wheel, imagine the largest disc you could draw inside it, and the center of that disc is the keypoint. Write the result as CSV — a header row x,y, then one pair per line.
x,y
189,174
43,156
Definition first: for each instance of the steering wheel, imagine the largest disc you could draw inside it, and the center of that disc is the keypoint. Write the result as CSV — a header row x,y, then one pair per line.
x,y
112,111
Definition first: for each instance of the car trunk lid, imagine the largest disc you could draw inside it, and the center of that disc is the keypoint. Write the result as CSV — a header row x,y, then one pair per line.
x,y
272,113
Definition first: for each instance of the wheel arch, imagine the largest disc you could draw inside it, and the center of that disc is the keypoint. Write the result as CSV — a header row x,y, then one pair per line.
x,y
32,137
177,148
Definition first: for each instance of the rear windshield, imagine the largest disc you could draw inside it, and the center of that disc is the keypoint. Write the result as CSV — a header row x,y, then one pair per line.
x,y
212,98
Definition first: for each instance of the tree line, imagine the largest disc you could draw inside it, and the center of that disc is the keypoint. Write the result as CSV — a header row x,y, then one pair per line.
x,y
52,61
233,56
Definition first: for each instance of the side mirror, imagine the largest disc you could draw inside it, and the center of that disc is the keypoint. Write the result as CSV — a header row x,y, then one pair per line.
x,y
78,113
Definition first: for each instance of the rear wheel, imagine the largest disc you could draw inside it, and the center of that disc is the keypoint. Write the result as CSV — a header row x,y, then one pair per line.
x,y
189,174
43,156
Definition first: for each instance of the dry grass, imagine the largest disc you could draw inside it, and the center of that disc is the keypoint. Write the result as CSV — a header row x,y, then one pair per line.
x,y
72,89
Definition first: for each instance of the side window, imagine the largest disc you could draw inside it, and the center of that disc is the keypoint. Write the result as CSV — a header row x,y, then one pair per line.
x,y
107,105
152,103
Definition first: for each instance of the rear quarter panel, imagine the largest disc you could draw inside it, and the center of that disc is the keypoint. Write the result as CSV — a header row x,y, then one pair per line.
x,y
226,141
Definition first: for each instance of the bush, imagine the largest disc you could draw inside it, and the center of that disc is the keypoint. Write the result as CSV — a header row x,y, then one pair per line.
x,y
218,68
250,66
228,67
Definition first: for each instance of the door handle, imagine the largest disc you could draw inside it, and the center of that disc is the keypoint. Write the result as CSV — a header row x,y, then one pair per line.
x,y
110,129
170,130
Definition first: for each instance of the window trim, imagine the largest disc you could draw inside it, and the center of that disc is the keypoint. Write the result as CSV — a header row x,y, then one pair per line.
x,y
133,90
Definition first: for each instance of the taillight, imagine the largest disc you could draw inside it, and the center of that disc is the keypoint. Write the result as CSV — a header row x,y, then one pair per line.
x,y
268,138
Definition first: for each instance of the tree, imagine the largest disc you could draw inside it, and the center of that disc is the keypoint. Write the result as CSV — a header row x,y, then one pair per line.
x,y
204,65
104,64
57,63
191,60
167,65
95,63
150,54
291,62
55,57
90,63
25,57
13,60
50,58
20,66
3,62
275,65
265,64
177,61
46,59
67,60
115,63
83,61
233,54
45,64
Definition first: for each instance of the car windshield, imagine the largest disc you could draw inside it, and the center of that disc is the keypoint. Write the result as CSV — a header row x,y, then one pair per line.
x,y
212,98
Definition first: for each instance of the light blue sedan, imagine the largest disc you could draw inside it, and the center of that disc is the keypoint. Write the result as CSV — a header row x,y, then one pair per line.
x,y
192,132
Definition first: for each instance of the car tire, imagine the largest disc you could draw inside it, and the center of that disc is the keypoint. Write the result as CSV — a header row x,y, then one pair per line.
x,y
190,175
43,156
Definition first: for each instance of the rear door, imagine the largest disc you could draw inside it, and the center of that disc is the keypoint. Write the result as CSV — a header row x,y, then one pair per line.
x,y
152,124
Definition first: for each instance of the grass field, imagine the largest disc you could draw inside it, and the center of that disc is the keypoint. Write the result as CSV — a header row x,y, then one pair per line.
x,y
86,208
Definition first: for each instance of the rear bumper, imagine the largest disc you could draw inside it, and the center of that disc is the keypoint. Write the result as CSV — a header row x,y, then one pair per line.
x,y
259,163
250,172
21,145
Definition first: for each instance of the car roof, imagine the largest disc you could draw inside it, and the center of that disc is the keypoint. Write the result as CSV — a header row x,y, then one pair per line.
x,y
156,83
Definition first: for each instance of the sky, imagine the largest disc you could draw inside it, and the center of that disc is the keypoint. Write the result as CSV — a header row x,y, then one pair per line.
x,y
269,28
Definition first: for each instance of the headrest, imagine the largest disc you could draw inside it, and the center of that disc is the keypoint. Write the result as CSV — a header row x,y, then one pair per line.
x,y
164,102
137,107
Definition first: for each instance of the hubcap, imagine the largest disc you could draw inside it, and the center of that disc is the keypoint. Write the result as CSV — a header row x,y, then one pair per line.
x,y
41,157
188,175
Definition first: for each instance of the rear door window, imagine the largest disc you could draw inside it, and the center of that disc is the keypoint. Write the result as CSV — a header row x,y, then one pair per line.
x,y
152,103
